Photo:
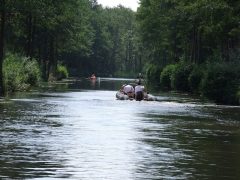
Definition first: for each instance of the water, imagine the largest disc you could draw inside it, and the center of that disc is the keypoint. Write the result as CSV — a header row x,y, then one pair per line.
x,y
78,130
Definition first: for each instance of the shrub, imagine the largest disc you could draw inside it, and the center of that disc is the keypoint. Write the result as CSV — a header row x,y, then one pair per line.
x,y
165,77
62,72
32,73
194,79
20,73
221,83
179,78
153,73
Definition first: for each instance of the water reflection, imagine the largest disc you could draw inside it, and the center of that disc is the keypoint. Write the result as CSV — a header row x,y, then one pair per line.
x,y
191,147
83,132
26,146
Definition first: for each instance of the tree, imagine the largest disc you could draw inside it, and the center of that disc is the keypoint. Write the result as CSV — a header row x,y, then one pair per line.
x,y
2,32
193,30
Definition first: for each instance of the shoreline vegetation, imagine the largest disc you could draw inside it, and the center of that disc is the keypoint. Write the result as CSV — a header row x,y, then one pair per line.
x,y
185,46
217,82
22,74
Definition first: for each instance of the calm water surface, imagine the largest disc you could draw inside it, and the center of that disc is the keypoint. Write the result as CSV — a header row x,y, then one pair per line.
x,y
78,130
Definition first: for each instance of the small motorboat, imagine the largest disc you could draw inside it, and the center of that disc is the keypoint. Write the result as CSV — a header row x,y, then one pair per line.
x,y
121,96
147,97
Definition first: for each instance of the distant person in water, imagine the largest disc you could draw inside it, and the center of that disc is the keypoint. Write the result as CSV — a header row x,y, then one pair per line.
x,y
128,90
93,76
139,92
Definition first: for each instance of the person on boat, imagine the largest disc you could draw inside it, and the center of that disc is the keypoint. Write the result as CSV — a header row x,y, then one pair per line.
x,y
139,78
128,90
139,92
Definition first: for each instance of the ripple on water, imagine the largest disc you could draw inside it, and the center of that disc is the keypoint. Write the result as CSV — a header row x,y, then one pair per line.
x,y
90,135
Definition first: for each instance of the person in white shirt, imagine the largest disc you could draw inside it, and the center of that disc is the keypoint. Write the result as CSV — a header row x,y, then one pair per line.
x,y
139,92
128,90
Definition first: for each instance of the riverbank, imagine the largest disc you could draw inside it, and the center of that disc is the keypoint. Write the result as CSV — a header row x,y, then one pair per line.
x,y
218,82
22,73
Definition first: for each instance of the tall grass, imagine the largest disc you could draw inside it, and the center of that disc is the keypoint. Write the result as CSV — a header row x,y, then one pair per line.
x,y
62,72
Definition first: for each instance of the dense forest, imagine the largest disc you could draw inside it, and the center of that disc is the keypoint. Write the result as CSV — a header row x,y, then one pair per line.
x,y
80,35
193,46
190,46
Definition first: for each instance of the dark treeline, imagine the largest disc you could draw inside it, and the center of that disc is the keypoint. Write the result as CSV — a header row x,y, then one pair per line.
x,y
193,46
183,45
113,50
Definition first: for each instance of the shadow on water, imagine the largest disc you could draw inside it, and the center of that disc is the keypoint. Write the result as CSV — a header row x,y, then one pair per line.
x,y
200,142
26,137
76,129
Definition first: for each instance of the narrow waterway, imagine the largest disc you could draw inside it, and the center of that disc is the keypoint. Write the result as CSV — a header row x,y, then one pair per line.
x,y
78,130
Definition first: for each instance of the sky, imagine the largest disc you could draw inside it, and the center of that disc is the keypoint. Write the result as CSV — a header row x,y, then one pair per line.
x,y
133,4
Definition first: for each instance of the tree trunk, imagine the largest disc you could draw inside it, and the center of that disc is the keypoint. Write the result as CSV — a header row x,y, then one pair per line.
x,y
52,60
44,58
29,33
198,47
2,28
193,45
30,23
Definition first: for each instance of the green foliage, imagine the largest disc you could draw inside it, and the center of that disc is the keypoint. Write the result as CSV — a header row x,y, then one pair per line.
x,y
32,71
195,30
165,77
62,72
199,31
194,79
114,43
179,78
46,30
20,73
153,73
221,82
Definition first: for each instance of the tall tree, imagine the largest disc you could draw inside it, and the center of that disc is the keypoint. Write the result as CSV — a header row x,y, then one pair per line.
x,y
2,32
192,30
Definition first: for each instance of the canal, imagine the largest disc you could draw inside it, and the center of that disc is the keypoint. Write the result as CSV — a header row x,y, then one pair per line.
x,y
78,130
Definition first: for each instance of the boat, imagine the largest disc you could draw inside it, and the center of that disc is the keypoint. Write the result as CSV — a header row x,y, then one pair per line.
x,y
121,96
147,97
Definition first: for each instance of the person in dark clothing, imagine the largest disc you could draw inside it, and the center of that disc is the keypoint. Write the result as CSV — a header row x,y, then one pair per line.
x,y
139,92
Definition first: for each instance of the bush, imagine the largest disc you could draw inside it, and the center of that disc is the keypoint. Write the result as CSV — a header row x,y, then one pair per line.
x,y
62,72
153,73
179,78
165,77
32,73
20,73
221,83
194,79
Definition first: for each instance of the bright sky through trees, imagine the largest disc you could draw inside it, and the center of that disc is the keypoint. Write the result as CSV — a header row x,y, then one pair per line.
x,y
133,4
